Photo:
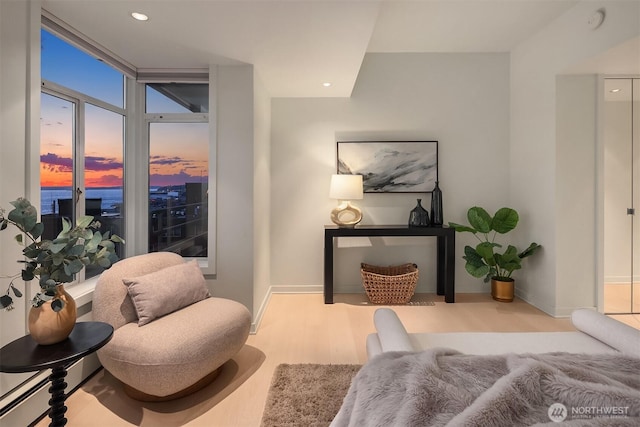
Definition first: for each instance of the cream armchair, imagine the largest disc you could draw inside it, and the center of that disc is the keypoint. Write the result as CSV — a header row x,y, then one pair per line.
x,y
171,338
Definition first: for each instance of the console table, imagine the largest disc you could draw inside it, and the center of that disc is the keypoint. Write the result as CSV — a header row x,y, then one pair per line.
x,y
445,252
25,355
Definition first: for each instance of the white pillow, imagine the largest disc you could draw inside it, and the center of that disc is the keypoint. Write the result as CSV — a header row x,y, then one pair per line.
x,y
622,337
167,290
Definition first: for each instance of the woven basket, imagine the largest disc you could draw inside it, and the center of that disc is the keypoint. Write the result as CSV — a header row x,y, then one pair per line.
x,y
389,285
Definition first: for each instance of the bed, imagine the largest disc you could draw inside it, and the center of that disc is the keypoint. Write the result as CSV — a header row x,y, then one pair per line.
x,y
589,377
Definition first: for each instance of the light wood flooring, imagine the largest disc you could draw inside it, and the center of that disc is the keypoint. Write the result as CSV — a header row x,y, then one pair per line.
x,y
296,328
617,298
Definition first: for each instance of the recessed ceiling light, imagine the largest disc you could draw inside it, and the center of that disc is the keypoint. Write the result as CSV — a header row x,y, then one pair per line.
x,y
326,84
614,90
140,16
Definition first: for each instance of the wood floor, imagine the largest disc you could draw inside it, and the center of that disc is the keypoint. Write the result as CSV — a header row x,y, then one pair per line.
x,y
296,328
618,298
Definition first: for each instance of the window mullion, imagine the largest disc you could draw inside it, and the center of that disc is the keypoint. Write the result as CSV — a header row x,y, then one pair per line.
x,y
178,118
79,190
48,86
136,175
79,163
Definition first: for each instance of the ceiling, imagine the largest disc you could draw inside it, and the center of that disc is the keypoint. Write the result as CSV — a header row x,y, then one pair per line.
x,y
297,45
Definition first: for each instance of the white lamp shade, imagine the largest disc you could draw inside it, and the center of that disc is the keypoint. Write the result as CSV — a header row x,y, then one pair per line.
x,y
346,187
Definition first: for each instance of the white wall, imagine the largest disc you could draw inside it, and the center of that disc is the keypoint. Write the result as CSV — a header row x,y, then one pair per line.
x,y
537,173
461,100
19,154
243,121
19,32
576,99
235,185
261,196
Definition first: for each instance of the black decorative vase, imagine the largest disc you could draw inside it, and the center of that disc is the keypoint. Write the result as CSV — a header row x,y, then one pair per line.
x,y
419,217
436,207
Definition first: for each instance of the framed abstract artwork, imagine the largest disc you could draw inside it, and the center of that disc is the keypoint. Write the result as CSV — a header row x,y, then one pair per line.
x,y
391,166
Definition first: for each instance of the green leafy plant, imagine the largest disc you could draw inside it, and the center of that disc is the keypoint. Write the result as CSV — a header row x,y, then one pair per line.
x,y
54,261
483,260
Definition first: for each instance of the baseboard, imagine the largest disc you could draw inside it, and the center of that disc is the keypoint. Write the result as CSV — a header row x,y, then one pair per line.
x,y
620,280
551,311
30,401
257,319
557,312
566,311
295,289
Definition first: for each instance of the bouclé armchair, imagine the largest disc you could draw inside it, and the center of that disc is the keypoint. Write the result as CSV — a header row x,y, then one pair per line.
x,y
170,336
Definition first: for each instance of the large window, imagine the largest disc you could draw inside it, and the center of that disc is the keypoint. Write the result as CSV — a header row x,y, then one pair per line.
x,y
178,134
82,140
87,114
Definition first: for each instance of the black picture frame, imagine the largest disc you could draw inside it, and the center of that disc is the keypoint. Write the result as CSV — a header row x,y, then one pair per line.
x,y
390,166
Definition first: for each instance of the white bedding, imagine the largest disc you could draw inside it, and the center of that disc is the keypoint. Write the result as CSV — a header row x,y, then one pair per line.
x,y
595,333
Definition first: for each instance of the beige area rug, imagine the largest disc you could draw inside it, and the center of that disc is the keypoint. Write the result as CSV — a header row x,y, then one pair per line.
x,y
306,394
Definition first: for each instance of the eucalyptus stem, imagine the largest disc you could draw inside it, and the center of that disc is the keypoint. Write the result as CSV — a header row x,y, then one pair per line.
x,y
22,230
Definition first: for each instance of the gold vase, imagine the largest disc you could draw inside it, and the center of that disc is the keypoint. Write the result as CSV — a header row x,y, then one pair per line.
x,y
502,290
49,327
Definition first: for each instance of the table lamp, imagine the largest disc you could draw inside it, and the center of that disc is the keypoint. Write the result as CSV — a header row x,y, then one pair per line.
x,y
346,188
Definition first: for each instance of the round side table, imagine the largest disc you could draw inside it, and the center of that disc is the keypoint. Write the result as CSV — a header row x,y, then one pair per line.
x,y
25,355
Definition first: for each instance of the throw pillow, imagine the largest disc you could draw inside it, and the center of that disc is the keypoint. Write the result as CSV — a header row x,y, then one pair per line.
x,y
167,290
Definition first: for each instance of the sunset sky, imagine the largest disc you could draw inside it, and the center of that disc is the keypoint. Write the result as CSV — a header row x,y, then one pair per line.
x,y
178,151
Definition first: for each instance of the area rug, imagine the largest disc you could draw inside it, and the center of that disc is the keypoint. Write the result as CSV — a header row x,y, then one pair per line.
x,y
306,394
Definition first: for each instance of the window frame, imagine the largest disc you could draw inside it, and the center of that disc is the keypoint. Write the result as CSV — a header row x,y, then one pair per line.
x,y
207,264
136,147
80,100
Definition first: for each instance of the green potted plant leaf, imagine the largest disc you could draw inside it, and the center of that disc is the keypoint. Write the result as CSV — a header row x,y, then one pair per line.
x,y
53,263
485,260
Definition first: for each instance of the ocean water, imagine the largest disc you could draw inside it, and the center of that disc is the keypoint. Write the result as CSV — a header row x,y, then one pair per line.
x,y
111,197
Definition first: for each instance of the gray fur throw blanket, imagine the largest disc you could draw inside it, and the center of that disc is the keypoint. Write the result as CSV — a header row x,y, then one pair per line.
x,y
442,387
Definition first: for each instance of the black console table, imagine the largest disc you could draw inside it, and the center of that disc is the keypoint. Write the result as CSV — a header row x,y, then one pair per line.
x,y
25,355
445,252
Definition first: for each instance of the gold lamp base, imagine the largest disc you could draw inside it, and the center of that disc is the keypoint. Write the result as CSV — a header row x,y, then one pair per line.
x,y
346,215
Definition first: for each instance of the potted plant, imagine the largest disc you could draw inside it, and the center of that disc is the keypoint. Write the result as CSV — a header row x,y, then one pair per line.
x,y
53,263
484,260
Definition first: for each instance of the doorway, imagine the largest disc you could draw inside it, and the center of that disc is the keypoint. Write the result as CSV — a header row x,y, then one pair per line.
x,y
621,132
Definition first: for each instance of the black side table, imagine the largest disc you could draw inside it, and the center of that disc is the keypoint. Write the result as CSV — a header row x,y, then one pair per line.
x,y
25,355
445,253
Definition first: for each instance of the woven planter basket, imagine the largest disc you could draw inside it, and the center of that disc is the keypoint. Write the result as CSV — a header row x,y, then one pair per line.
x,y
389,285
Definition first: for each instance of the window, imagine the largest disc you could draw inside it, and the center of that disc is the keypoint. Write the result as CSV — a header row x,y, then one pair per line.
x,y
89,109
82,140
72,68
178,134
